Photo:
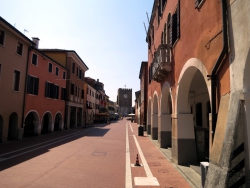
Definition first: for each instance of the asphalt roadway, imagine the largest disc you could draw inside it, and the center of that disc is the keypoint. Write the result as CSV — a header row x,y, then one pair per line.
x,y
100,156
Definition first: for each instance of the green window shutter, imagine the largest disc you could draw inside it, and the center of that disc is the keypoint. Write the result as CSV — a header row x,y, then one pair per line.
x,y
36,86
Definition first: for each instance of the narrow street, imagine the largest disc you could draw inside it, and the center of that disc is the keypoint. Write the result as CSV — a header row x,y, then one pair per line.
x,y
100,156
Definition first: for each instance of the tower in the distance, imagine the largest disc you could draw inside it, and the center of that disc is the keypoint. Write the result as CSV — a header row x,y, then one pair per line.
x,y
124,101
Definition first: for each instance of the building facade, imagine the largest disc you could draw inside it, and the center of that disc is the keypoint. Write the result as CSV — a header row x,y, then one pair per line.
x,y
75,84
191,80
143,76
14,50
45,94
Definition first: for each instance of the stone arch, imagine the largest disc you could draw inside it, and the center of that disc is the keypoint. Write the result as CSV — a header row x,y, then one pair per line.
x,y
58,122
185,79
13,125
154,118
1,129
32,123
165,124
191,134
149,107
47,123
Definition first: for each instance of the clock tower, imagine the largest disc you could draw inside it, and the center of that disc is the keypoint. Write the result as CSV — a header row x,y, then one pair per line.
x,y
124,100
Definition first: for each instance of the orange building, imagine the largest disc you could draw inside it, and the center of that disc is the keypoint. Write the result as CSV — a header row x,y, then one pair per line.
x,y
189,76
45,94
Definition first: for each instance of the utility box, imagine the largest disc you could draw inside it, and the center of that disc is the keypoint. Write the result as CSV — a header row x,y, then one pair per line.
x,y
204,168
140,130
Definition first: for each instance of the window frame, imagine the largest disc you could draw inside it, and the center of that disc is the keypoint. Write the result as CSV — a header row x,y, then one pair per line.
x,y
14,85
32,85
3,36
72,89
57,71
51,67
73,67
19,48
36,59
64,75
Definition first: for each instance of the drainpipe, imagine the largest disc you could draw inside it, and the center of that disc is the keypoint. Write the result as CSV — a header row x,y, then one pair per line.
x,y
218,64
25,85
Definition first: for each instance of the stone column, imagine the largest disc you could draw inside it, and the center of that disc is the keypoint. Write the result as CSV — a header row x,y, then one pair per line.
x,y
51,126
154,128
61,123
37,127
164,131
183,139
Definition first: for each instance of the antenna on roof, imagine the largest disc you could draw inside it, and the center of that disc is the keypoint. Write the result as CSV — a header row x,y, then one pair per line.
x,y
25,31
147,17
147,37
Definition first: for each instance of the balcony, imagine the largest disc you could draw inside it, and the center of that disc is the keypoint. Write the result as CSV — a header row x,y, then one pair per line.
x,y
161,64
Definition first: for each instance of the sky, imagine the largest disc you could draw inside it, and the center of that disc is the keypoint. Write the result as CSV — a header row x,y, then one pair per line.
x,y
108,35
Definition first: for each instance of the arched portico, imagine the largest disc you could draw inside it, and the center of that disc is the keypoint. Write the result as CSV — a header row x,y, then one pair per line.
x,y
32,124
1,129
191,126
58,125
154,118
149,117
47,123
13,124
165,126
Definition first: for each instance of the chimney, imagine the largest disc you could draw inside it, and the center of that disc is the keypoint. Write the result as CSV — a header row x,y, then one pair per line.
x,y
36,41
97,80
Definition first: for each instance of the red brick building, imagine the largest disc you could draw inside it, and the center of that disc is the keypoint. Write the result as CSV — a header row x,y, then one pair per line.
x,y
45,94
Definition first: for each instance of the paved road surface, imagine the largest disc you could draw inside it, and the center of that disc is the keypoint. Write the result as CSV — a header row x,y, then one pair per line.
x,y
101,156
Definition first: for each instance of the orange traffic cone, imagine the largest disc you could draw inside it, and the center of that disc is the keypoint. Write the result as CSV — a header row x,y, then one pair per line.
x,y
137,161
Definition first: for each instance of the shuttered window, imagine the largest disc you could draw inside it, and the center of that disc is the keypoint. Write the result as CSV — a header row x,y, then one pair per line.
x,y
174,33
63,94
34,59
72,89
32,85
51,90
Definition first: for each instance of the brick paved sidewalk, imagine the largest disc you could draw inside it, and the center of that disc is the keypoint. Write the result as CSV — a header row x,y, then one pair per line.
x,y
167,175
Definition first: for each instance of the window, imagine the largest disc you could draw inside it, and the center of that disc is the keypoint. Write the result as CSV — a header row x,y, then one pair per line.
x,y
2,36
63,94
34,59
76,91
77,72
72,89
56,95
32,85
51,90
16,80
87,90
57,71
64,75
0,69
73,68
175,26
50,68
80,74
82,94
19,49
90,92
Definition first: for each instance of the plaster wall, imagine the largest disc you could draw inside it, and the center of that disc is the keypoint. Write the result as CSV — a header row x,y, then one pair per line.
x,y
10,100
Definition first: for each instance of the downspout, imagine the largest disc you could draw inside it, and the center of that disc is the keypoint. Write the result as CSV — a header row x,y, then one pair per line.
x,y
218,64
25,85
